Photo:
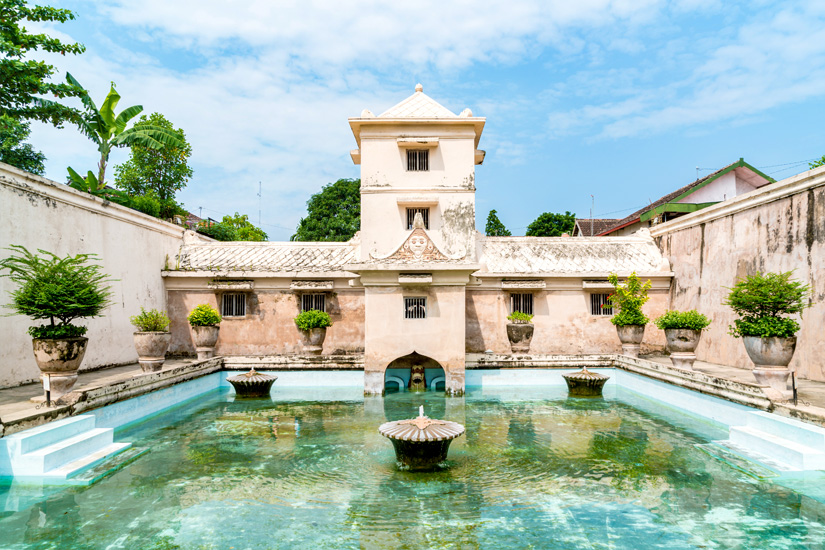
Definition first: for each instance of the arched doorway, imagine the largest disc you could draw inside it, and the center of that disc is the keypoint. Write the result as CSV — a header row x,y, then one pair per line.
x,y
400,372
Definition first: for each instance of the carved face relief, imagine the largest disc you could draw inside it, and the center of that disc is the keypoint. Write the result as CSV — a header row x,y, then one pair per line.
x,y
418,245
417,378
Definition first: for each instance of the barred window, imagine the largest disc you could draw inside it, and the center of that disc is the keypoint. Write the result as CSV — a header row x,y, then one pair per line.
x,y
522,303
596,303
415,308
313,301
234,305
418,160
425,213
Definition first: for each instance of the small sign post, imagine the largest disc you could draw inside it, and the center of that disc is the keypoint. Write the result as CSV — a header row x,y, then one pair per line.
x,y
47,386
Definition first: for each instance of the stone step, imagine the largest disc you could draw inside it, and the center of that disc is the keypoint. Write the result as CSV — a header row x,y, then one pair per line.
x,y
98,471
788,428
43,436
86,462
795,456
68,450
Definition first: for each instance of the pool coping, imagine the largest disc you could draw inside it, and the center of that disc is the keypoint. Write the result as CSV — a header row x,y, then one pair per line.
x,y
99,395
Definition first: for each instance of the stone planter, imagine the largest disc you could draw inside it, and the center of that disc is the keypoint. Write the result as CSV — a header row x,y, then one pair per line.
x,y
314,340
681,343
59,359
520,336
631,338
205,339
151,349
771,357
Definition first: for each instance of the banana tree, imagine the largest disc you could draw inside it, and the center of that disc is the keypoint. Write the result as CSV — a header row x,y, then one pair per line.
x,y
108,131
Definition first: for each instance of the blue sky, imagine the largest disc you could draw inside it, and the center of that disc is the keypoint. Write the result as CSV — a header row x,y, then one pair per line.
x,y
621,100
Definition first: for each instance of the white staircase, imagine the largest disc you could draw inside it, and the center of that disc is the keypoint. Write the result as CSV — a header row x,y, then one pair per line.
x,y
782,443
60,450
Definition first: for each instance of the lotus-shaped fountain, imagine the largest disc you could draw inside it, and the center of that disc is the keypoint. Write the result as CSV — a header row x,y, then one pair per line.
x,y
421,443
585,383
252,384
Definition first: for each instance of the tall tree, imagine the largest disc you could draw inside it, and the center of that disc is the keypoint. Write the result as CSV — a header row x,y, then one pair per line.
x,y
163,170
333,214
14,151
817,163
23,79
108,131
494,227
552,225
233,228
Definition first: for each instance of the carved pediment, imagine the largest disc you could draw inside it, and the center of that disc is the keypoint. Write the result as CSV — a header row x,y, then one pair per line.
x,y
417,247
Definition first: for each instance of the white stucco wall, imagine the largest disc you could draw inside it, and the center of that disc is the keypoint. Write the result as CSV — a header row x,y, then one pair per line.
x,y
42,214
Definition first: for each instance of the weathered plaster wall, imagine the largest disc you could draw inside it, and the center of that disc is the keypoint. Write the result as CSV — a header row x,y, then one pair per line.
x,y
41,214
268,327
563,323
779,227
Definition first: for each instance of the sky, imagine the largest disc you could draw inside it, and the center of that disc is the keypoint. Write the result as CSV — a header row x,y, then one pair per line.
x,y
602,104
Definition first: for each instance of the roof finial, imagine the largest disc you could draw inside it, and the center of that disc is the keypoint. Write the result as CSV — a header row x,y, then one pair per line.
x,y
418,221
419,87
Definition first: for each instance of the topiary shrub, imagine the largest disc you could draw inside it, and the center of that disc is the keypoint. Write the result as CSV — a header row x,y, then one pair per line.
x,y
628,300
762,303
58,289
313,318
150,321
204,315
691,320
520,318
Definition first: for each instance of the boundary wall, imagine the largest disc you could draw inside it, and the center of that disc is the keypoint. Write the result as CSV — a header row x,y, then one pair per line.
x,y
133,247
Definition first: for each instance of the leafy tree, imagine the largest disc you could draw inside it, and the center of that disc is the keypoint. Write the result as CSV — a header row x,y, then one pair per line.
x,y
108,130
817,163
162,171
333,214
233,228
763,301
23,79
494,227
12,149
552,225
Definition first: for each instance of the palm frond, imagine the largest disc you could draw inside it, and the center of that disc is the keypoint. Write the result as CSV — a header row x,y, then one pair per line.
x,y
107,110
84,97
125,116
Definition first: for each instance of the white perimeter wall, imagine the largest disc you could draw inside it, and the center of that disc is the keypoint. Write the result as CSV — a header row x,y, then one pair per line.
x,y
40,213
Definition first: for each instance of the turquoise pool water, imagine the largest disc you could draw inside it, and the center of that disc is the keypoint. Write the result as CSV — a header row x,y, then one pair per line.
x,y
308,469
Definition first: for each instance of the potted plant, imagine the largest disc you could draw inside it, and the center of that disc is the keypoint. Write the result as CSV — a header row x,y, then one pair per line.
x,y
313,326
682,332
204,320
520,331
60,290
763,302
627,300
151,339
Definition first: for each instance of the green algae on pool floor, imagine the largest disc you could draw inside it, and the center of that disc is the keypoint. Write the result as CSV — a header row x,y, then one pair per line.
x,y
308,469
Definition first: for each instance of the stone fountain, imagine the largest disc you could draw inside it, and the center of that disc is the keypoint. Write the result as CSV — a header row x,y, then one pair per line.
x,y
421,443
252,384
585,383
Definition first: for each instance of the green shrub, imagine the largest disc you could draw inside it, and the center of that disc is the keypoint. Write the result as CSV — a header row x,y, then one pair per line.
x,y
628,299
146,204
58,289
520,317
762,303
204,315
150,321
313,318
692,320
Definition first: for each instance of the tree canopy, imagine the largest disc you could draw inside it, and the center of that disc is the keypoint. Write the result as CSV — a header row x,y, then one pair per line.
x,y
233,228
23,79
552,225
333,214
162,171
14,151
494,227
817,163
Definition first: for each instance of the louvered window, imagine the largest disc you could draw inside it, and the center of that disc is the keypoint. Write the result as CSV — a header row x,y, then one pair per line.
x,y
522,303
313,301
415,308
597,301
234,305
418,160
425,214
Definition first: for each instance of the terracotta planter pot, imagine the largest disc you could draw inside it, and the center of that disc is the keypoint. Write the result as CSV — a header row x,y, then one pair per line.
x,y
314,340
771,357
520,336
59,359
631,338
205,339
681,343
151,349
